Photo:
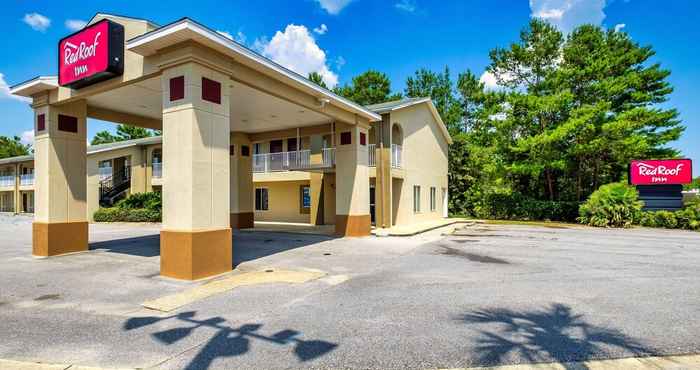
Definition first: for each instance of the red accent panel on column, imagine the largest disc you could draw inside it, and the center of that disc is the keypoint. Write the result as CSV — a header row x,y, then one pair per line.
x,y
41,122
211,90
67,123
363,138
245,150
232,150
177,88
345,138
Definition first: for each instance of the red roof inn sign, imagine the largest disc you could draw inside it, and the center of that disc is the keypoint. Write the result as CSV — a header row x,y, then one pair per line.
x,y
91,55
661,172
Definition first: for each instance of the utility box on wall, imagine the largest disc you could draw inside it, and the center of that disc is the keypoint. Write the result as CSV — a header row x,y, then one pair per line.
x,y
660,182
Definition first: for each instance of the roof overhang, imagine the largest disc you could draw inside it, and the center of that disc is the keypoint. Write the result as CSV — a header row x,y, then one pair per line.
x,y
35,85
186,29
433,111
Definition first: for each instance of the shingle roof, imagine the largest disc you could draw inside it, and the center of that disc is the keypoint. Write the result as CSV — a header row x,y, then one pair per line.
x,y
391,105
96,148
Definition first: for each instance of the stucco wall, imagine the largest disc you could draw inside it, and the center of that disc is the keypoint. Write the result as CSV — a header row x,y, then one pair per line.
x,y
424,163
283,202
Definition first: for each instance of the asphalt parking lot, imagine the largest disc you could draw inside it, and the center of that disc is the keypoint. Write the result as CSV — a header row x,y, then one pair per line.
x,y
488,294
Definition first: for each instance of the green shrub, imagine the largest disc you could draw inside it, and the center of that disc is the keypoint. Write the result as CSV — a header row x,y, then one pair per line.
x,y
612,205
151,200
117,214
666,219
689,216
506,205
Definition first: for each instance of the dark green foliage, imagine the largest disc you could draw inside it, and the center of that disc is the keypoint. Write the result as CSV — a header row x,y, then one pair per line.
x,y
513,206
139,207
151,200
439,87
686,218
371,87
613,205
12,147
693,185
124,132
316,78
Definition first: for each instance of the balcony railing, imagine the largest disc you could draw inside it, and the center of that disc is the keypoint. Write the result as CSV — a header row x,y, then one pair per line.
x,y
7,180
157,170
26,179
328,157
282,161
396,155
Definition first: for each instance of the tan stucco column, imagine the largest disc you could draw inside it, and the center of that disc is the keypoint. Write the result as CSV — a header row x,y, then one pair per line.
x,y
383,189
316,181
60,188
195,241
242,197
352,181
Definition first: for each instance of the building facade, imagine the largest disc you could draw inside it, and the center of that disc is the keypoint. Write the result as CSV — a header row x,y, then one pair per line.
x,y
244,139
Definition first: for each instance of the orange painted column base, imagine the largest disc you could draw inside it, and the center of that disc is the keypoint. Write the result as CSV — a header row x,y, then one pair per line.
x,y
192,255
355,225
244,220
56,238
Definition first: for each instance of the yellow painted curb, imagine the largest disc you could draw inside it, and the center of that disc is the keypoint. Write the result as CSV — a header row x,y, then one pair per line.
x,y
687,362
174,301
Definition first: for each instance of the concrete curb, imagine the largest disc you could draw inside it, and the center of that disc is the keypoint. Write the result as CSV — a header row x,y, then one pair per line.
x,y
632,363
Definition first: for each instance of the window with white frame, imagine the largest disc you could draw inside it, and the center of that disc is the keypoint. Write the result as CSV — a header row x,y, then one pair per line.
x,y
416,199
261,197
433,199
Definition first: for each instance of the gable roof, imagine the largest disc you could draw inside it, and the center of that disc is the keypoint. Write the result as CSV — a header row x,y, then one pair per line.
x,y
390,106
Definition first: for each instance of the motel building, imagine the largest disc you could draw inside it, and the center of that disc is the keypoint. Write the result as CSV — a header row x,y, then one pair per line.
x,y
243,139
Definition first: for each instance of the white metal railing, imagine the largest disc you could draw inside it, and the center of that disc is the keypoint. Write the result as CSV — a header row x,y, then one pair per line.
x,y
328,157
396,156
372,153
281,161
26,179
105,173
157,170
7,180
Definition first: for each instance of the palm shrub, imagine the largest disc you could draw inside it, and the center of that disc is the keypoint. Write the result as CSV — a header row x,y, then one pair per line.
x,y
612,205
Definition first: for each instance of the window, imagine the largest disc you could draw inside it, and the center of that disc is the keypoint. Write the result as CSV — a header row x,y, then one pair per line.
x,y
257,148
433,201
261,199
416,199
211,90
245,150
305,199
346,138
105,169
292,145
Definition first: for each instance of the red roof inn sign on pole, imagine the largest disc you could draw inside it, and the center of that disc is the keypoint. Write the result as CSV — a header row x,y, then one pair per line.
x,y
91,55
658,172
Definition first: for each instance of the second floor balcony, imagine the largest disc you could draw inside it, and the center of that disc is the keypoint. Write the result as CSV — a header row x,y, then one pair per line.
x,y
396,155
26,179
292,161
7,181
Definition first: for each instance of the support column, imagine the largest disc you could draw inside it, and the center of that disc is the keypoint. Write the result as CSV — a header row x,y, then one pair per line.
x,y
352,180
16,194
242,196
195,241
383,190
60,217
316,181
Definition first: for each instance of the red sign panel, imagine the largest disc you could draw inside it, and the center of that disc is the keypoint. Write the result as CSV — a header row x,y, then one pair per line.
x,y
91,55
657,172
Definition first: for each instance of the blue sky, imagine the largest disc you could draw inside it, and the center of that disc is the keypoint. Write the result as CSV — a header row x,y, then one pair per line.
x,y
342,38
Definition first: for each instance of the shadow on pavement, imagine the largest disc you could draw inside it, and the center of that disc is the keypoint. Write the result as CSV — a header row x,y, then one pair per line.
x,y
552,334
251,245
142,246
227,341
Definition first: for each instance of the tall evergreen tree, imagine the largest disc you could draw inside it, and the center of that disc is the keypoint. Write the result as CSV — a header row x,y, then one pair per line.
x,y
12,147
370,87
124,132
439,87
316,78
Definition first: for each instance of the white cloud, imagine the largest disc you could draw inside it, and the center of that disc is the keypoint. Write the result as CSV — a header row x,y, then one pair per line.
x,y
619,27
37,21
5,91
27,137
406,5
75,24
239,38
339,62
297,50
322,29
333,6
567,14
489,80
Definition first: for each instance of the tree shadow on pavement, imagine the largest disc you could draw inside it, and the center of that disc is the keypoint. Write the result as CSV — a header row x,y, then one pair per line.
x,y
227,341
554,334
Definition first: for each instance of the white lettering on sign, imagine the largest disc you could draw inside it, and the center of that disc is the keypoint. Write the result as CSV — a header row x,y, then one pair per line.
x,y
73,53
646,169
